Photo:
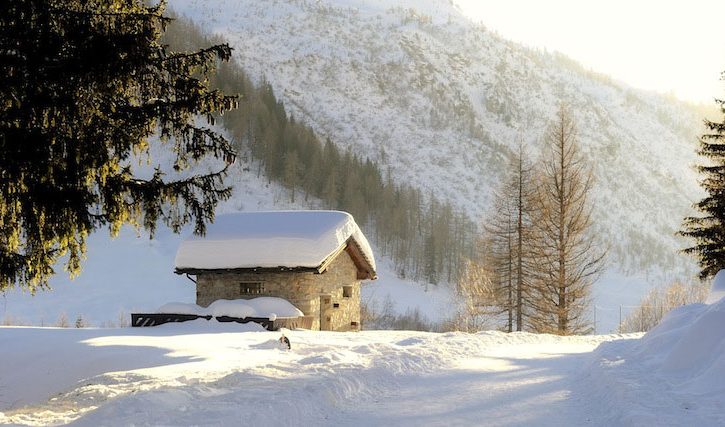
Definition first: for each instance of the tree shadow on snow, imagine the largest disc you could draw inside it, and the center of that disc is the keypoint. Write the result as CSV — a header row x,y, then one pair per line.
x,y
521,391
529,392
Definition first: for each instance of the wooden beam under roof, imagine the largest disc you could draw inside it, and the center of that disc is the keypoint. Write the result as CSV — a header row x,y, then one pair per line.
x,y
364,269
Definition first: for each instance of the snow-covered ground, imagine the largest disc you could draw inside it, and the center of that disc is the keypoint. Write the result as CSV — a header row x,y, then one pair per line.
x,y
201,374
215,374
209,373
673,376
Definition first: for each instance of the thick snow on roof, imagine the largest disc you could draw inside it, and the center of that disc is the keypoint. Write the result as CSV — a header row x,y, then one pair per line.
x,y
271,239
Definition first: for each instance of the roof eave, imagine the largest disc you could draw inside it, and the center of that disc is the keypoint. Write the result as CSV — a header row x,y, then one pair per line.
x,y
365,270
197,271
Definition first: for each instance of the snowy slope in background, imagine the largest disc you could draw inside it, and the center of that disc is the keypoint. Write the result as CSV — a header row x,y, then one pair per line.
x,y
441,101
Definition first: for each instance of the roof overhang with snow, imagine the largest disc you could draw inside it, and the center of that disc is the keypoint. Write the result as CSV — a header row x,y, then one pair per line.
x,y
294,241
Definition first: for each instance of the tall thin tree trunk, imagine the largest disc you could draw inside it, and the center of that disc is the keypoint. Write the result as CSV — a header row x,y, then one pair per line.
x,y
519,253
563,308
510,272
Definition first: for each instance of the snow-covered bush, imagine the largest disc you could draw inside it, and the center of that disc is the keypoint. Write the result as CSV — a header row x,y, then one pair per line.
x,y
62,321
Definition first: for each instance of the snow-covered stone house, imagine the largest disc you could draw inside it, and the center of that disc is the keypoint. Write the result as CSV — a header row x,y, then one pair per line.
x,y
316,260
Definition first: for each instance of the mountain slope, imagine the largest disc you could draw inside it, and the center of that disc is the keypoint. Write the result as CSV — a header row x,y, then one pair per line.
x,y
441,102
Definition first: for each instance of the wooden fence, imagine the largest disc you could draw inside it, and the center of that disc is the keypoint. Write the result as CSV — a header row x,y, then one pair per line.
x,y
155,319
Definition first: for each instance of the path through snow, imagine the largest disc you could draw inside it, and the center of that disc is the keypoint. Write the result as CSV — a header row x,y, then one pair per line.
x,y
184,375
503,384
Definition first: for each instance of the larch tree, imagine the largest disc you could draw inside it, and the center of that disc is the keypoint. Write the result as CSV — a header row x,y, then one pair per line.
x,y
568,258
509,231
523,192
500,230
87,89
708,230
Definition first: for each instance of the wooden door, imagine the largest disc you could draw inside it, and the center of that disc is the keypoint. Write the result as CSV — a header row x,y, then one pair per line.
x,y
325,305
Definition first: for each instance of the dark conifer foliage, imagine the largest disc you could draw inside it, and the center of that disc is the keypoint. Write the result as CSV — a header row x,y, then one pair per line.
x,y
85,84
708,230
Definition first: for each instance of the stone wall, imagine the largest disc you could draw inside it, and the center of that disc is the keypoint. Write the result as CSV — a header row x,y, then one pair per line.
x,y
310,292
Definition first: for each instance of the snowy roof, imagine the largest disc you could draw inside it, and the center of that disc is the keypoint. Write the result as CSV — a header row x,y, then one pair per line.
x,y
275,239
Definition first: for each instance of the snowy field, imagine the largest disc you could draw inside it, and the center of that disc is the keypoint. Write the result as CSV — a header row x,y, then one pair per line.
x,y
206,373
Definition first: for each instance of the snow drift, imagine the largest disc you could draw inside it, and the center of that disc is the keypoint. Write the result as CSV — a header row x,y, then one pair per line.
x,y
265,307
717,291
688,347
679,366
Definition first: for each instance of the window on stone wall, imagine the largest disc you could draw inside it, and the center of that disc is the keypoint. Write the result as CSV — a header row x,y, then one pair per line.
x,y
347,291
251,288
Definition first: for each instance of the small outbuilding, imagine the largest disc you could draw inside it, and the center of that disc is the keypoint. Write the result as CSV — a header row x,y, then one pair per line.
x,y
316,260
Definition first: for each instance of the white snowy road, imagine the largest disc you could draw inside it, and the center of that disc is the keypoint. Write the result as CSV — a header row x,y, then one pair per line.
x,y
500,385
234,378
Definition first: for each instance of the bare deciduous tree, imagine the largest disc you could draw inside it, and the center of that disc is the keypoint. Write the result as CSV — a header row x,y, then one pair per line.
x,y
659,301
509,232
501,234
567,256
477,297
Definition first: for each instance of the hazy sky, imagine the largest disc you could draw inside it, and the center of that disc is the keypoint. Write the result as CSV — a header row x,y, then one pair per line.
x,y
667,45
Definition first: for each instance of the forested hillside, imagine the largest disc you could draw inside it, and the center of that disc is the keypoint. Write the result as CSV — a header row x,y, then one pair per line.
x,y
426,238
439,102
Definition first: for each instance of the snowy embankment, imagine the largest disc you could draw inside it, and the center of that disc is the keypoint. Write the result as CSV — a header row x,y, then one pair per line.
x,y
674,375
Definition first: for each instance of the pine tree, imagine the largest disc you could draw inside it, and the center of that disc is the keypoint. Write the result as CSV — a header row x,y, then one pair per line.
x,y
290,173
567,257
87,86
708,230
425,238
80,322
524,209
